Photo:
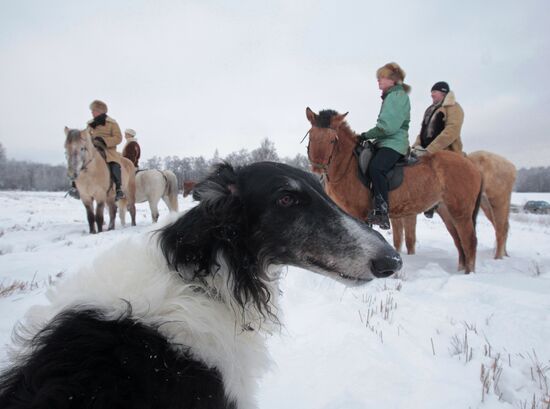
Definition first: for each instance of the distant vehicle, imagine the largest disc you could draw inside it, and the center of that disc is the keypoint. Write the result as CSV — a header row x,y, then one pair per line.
x,y
514,208
537,206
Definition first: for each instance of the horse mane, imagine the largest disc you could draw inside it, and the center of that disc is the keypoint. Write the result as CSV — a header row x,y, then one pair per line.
x,y
323,119
73,135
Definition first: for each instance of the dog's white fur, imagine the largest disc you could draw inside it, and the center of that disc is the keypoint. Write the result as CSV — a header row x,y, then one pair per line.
x,y
200,317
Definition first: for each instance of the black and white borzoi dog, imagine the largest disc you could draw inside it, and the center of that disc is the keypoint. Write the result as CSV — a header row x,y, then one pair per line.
x,y
178,319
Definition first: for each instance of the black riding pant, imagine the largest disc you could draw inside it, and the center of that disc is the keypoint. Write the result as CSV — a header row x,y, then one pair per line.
x,y
116,173
383,160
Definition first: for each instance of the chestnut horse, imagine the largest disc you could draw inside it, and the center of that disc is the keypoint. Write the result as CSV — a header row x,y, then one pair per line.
x,y
88,169
499,175
188,186
444,178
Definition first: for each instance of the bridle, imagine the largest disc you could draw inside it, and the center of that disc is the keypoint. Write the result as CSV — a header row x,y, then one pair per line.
x,y
324,166
83,151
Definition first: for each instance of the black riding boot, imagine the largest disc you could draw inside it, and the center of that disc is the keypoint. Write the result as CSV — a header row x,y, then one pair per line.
x,y
115,171
430,213
73,191
379,215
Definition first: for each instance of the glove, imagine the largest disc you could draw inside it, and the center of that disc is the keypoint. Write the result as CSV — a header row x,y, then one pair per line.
x,y
419,151
361,138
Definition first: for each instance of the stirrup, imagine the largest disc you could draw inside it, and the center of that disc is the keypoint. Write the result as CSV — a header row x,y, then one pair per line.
x,y
430,212
380,219
73,192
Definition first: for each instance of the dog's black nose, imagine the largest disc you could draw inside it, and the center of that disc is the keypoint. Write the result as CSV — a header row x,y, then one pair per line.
x,y
386,265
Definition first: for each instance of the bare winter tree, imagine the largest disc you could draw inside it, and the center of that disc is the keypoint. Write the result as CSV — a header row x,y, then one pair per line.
x,y
3,157
266,151
299,161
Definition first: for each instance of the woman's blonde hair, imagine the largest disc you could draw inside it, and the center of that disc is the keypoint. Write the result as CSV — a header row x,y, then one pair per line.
x,y
394,72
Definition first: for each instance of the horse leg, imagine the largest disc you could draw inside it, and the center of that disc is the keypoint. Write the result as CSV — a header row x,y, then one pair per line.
x,y
99,216
410,233
132,210
448,220
91,217
501,225
487,209
154,210
467,233
112,215
397,232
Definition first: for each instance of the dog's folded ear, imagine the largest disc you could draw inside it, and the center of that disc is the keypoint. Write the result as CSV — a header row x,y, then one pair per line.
x,y
218,227
222,181
214,225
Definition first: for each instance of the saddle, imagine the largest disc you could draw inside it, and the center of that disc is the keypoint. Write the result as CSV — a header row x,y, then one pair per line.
x,y
363,153
101,146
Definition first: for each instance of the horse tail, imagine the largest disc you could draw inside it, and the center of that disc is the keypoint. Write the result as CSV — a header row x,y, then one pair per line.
x,y
478,203
171,189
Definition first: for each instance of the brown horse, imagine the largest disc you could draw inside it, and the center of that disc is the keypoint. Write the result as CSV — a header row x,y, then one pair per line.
x,y
444,178
87,167
188,186
499,175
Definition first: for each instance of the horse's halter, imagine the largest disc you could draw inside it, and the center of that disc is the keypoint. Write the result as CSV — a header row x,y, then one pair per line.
x,y
324,166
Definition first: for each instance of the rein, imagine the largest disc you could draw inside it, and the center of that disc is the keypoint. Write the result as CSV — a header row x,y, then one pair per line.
x,y
84,166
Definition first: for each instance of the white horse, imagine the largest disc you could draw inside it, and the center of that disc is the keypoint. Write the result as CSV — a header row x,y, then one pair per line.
x,y
151,186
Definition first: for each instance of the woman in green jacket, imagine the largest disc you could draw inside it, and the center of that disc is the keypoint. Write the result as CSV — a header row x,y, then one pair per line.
x,y
390,136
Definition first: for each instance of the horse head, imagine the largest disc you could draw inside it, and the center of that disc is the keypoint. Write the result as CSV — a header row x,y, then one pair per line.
x,y
77,151
323,138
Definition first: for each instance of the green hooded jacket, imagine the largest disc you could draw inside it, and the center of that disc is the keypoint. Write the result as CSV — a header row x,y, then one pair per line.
x,y
392,126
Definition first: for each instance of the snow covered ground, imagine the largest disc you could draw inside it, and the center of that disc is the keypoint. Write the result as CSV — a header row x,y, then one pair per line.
x,y
430,338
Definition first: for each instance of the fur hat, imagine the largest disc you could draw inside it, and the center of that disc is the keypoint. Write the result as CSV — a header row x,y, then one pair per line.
x,y
130,132
394,72
98,105
441,86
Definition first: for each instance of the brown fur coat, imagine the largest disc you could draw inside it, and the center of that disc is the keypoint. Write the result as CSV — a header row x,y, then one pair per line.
x,y
449,116
132,150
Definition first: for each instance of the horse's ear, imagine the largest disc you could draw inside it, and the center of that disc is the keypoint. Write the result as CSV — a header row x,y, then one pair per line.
x,y
311,116
337,120
66,131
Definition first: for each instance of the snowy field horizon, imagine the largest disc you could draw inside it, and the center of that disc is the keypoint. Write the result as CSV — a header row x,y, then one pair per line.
x,y
430,337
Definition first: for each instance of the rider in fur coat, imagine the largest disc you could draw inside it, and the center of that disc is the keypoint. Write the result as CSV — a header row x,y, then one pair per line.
x,y
131,150
442,122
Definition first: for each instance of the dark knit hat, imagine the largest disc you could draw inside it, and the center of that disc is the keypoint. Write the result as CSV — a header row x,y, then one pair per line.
x,y
441,86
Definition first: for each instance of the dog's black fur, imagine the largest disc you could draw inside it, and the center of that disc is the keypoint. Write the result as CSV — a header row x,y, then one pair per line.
x,y
81,360
247,219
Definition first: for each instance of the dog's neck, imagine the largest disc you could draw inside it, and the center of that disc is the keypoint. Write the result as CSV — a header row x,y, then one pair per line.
x,y
218,287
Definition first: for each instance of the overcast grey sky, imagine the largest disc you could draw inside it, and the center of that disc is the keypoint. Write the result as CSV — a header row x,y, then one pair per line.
x,y
193,76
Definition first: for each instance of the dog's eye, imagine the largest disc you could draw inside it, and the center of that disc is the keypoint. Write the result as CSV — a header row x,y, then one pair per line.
x,y
287,200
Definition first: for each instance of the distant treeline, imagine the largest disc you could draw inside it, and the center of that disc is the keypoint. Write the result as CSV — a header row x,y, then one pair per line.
x,y
23,175
533,180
